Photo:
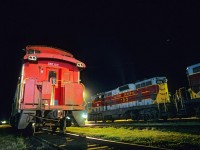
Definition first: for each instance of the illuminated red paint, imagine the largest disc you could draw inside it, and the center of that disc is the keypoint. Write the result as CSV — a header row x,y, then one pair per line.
x,y
51,74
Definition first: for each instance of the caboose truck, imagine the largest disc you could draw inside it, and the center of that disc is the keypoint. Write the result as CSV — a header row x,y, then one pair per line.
x,y
49,92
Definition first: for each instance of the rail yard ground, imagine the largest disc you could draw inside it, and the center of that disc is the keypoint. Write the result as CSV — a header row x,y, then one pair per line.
x,y
163,138
9,140
12,140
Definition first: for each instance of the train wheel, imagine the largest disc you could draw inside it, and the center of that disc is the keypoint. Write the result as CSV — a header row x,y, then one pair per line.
x,y
15,120
155,117
95,120
136,118
54,129
154,114
29,130
103,120
36,127
198,112
11,120
63,125
165,118
146,118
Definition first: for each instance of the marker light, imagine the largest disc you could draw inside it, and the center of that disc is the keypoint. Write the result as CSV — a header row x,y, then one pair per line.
x,y
79,65
33,58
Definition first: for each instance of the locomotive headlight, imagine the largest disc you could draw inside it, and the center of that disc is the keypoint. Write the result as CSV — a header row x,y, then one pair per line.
x,y
33,125
68,117
84,115
3,122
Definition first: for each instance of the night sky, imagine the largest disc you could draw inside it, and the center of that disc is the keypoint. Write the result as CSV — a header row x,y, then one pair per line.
x,y
119,41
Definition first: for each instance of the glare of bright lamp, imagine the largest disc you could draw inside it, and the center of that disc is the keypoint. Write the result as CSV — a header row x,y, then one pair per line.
x,y
84,116
86,94
3,122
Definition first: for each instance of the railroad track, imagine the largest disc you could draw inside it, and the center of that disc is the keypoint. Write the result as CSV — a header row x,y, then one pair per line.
x,y
73,141
182,123
78,142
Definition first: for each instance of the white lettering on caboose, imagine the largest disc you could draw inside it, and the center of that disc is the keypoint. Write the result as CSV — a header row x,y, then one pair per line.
x,y
52,64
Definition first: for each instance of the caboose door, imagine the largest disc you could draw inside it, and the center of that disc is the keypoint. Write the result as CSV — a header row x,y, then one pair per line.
x,y
54,77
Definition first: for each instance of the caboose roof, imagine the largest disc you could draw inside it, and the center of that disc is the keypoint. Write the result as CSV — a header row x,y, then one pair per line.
x,y
53,53
47,49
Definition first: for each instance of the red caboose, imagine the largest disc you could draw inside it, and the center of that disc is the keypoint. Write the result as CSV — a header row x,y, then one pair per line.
x,y
49,89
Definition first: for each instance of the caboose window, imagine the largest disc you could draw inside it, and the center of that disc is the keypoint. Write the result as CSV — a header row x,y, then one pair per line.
x,y
196,69
32,51
52,74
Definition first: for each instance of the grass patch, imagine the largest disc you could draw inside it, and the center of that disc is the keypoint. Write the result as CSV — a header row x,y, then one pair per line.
x,y
164,139
11,142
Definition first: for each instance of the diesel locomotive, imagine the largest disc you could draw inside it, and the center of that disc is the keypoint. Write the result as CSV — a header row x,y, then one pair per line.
x,y
49,92
148,100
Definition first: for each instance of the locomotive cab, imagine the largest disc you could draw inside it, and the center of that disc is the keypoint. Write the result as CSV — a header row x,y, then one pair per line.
x,y
193,74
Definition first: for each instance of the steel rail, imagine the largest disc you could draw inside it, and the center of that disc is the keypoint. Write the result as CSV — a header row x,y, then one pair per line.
x,y
75,141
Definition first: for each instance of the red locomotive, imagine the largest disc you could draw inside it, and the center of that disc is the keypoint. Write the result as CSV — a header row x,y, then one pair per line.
x,y
144,99
148,100
49,92
193,73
